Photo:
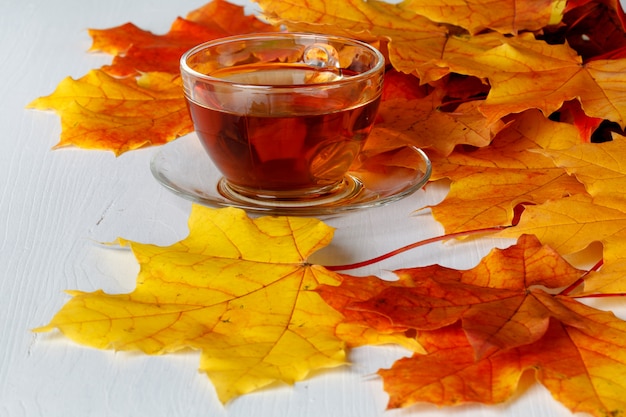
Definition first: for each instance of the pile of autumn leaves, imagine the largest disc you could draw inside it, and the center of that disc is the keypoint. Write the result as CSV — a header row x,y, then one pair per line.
x,y
521,107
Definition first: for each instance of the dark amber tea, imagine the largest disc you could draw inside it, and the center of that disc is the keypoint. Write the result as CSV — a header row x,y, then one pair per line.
x,y
287,144
283,115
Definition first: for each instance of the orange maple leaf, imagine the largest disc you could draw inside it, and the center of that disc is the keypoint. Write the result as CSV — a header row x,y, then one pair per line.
x,y
492,300
136,50
581,362
399,85
138,100
361,328
101,112
483,327
438,117
422,123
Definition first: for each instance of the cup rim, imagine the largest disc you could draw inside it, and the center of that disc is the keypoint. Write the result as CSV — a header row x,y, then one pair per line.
x,y
185,68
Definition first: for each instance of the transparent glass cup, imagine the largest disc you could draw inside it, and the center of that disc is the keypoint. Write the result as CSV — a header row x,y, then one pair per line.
x,y
284,115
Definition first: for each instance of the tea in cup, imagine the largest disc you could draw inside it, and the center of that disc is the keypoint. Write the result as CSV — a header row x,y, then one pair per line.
x,y
283,116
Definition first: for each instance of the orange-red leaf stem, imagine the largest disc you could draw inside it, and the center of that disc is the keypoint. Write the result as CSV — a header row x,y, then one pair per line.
x,y
578,282
599,295
413,246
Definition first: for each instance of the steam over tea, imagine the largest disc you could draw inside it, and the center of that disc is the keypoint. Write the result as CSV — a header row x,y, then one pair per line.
x,y
283,143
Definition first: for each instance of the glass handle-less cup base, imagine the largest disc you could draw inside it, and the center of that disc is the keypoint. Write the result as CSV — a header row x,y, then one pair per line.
x,y
341,193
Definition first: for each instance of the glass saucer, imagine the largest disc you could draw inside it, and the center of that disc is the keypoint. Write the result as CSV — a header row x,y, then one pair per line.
x,y
183,167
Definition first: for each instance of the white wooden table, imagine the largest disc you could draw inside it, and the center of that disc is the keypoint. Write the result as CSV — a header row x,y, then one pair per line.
x,y
56,206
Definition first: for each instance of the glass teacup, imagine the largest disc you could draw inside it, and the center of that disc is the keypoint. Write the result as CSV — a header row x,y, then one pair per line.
x,y
284,115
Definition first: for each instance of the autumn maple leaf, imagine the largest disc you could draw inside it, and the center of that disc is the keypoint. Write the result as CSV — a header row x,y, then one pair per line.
x,y
418,115
138,100
572,224
508,17
581,364
524,72
414,42
482,328
421,123
496,308
136,50
239,290
361,328
488,183
101,112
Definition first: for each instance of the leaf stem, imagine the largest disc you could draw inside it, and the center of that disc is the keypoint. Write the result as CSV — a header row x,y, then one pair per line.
x,y
580,280
413,246
599,295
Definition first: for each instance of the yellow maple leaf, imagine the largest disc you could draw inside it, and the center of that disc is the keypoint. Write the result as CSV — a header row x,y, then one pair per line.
x,y
414,38
571,224
239,290
505,16
600,166
101,112
526,73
